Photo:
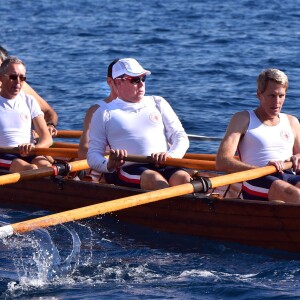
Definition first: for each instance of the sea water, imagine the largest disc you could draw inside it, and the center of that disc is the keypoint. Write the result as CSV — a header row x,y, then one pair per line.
x,y
204,57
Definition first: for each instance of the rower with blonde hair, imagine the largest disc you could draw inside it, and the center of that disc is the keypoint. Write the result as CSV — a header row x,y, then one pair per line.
x,y
265,136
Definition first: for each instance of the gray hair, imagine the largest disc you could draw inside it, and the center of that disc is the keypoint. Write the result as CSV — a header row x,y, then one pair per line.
x,y
7,62
3,54
271,75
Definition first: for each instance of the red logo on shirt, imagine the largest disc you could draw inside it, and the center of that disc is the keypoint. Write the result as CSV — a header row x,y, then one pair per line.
x,y
155,117
285,135
24,116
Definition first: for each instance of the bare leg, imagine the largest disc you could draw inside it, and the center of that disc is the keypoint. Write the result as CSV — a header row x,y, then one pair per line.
x,y
41,161
179,177
19,165
281,190
152,180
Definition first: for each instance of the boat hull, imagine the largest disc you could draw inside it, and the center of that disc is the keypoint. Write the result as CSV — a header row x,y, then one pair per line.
x,y
255,223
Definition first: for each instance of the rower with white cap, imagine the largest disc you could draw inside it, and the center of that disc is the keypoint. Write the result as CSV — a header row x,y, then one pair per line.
x,y
136,124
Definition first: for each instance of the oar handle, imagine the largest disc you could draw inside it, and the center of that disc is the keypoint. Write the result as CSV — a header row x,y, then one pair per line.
x,y
61,152
9,150
178,162
202,156
69,133
64,145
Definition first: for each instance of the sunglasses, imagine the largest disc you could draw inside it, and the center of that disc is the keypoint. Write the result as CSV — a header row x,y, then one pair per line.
x,y
15,77
135,80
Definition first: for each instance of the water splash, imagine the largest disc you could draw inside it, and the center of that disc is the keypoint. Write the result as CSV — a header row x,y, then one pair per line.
x,y
46,257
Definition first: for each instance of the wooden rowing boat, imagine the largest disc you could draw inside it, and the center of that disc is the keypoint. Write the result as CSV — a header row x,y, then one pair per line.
x,y
255,223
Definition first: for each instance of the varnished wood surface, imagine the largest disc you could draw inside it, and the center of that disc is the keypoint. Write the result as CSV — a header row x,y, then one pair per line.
x,y
256,223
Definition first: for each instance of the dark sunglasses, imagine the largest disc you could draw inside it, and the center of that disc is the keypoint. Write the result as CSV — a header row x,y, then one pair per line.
x,y
135,80
15,77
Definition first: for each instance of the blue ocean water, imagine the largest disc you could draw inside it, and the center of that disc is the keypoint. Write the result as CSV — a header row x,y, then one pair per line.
x,y
204,57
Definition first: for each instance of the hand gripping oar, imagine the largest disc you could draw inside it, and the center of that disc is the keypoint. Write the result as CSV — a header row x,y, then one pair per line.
x,y
201,156
57,169
61,152
110,206
73,153
178,162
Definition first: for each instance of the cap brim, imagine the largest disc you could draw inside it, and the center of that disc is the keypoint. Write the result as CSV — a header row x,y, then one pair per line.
x,y
145,72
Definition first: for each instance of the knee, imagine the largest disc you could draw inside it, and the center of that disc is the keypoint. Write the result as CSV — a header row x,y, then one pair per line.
x,y
32,167
179,177
151,180
29,167
281,190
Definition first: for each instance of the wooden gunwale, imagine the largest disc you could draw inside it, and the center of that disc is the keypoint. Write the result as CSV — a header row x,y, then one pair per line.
x,y
254,223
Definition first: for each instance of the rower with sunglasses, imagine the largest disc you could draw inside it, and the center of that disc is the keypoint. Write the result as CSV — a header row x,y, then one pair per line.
x,y
49,113
18,113
136,124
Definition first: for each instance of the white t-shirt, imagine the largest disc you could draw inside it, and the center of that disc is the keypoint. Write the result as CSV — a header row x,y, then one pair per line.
x,y
142,128
16,119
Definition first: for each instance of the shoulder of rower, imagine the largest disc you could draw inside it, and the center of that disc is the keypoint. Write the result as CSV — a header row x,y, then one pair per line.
x,y
294,123
240,121
293,120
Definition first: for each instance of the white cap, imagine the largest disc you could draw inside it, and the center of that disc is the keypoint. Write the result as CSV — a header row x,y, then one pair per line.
x,y
128,66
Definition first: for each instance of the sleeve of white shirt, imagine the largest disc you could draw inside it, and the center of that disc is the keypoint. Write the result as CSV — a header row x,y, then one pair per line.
x,y
97,142
174,130
34,107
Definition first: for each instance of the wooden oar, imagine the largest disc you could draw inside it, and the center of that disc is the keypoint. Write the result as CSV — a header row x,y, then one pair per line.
x,y
64,145
58,169
243,176
132,201
78,133
73,153
69,133
60,152
177,162
202,156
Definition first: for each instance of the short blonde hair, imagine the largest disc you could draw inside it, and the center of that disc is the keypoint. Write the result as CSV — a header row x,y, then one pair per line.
x,y
274,75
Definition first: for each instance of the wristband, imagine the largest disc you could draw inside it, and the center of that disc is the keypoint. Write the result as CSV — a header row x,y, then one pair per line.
x,y
51,124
